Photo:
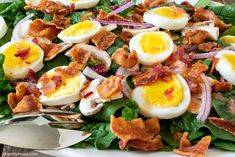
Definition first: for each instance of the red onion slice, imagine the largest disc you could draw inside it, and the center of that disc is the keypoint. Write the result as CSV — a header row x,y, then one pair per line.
x,y
206,99
123,72
15,35
144,25
92,74
123,7
205,55
126,90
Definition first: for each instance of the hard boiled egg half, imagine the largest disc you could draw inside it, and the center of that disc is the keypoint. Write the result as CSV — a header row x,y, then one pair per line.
x,y
80,4
3,27
162,99
20,56
152,47
226,65
81,32
68,92
171,18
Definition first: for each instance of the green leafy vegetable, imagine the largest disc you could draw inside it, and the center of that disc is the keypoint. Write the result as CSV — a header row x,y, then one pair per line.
x,y
230,31
76,16
130,110
48,17
226,145
202,3
105,5
117,44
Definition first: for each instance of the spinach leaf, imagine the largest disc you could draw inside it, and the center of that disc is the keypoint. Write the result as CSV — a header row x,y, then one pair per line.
x,y
59,60
202,3
166,135
130,111
226,145
117,44
230,31
76,16
225,13
48,17
105,5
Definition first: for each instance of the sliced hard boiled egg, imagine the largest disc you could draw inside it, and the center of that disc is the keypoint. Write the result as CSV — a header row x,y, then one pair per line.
x,y
229,40
79,4
226,65
20,56
33,2
162,99
152,47
68,92
3,27
81,32
171,18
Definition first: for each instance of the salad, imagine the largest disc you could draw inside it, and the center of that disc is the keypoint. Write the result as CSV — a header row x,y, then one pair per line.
x,y
152,75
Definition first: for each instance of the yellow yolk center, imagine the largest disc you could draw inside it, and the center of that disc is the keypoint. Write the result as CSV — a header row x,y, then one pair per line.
x,y
228,39
164,94
169,12
154,43
230,59
74,0
80,28
69,86
12,61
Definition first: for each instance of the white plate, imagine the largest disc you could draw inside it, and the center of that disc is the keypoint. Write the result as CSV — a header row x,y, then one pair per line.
x,y
90,152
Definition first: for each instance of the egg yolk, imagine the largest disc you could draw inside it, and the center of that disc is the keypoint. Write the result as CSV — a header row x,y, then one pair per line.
x,y
228,39
74,0
230,59
154,43
69,86
164,94
169,12
80,28
12,61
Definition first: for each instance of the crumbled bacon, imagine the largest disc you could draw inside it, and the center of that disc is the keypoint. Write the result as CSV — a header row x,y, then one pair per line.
x,y
25,99
103,39
198,150
72,69
80,55
194,105
154,3
40,28
194,36
103,15
31,76
137,133
125,60
87,16
100,69
137,18
61,20
57,79
196,69
140,9
110,87
213,65
23,54
125,36
221,86
223,124
152,75
207,15
187,4
208,47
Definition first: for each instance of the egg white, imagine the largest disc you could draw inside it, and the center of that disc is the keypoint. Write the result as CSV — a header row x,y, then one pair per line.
x,y
150,59
83,38
13,73
164,22
3,27
163,113
65,99
224,67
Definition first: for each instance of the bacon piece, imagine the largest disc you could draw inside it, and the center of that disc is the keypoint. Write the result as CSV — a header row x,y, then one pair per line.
x,y
187,4
140,9
23,54
125,60
125,36
31,76
80,55
40,28
110,87
103,39
213,65
223,124
198,150
87,16
184,142
57,79
103,15
207,15
196,69
194,37
100,69
208,47
154,3
152,75
25,99
137,133
60,20
194,105
72,70
221,86
137,18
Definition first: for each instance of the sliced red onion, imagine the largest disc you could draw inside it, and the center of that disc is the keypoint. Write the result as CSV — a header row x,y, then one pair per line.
x,y
205,55
123,7
126,90
144,25
15,33
134,68
206,99
92,74
121,71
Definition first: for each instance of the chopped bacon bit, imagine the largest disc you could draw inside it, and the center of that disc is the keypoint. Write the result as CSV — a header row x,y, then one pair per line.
x,y
125,60
87,95
213,65
154,3
100,69
57,79
223,124
87,16
184,142
221,86
80,55
196,69
140,9
168,92
177,136
31,76
25,99
207,15
61,21
110,87
152,75
125,36
72,70
137,18
40,28
198,150
103,15
194,105
208,47
103,39
190,7
48,87
137,133
23,54
194,36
